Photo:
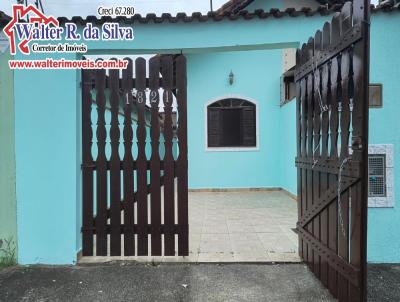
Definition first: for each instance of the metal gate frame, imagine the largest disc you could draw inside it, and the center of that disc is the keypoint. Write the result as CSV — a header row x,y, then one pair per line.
x,y
332,77
110,219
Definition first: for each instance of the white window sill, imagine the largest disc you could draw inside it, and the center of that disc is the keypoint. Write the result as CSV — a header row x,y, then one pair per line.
x,y
232,149
388,201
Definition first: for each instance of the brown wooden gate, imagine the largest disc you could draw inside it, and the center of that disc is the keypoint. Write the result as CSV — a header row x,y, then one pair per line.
x,y
332,75
132,192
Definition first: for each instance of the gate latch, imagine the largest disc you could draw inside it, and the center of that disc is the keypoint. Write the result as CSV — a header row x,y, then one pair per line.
x,y
356,143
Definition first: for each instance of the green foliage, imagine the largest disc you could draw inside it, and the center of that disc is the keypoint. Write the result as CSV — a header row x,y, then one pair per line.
x,y
7,252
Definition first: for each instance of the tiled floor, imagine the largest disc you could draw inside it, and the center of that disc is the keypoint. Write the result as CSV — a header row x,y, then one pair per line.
x,y
240,226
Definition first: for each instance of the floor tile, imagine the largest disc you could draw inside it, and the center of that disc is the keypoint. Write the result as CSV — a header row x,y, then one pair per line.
x,y
246,243
277,242
267,228
216,257
236,227
240,228
251,257
214,243
215,229
284,257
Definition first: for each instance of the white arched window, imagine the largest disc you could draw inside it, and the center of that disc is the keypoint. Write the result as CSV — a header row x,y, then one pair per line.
x,y
231,123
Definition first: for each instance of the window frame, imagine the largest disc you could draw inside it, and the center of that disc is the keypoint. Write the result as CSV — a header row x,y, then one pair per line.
x,y
288,86
231,149
379,86
383,176
389,200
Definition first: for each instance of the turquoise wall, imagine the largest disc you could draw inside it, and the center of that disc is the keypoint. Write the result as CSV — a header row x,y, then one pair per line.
x,y
78,162
257,75
257,78
205,37
384,224
8,207
48,165
266,5
288,148
47,124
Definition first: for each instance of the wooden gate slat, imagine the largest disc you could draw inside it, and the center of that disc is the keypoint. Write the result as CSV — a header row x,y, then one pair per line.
x,y
304,146
344,152
128,171
101,166
152,174
355,294
334,122
155,190
310,149
360,148
351,273
87,171
317,145
299,138
182,161
324,148
115,174
142,203
355,229
169,196
333,249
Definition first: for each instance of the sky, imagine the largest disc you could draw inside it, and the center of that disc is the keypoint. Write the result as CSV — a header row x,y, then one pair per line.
x,y
84,8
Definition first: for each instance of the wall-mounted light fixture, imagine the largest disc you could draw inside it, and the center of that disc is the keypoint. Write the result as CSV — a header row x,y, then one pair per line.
x,y
231,78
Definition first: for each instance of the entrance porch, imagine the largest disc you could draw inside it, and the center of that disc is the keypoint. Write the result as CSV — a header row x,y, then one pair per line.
x,y
235,226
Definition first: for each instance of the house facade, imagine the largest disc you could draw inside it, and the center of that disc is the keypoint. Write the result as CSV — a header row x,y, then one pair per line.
x,y
8,213
241,118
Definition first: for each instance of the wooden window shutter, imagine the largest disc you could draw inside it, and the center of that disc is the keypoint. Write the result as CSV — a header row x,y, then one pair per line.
x,y
248,126
214,121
